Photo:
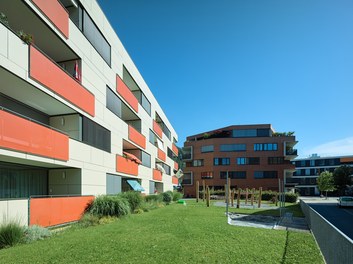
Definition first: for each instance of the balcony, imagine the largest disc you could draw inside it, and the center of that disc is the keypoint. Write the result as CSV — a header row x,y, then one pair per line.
x,y
127,166
137,137
157,175
161,155
157,129
126,93
175,180
56,13
175,149
176,165
23,135
49,74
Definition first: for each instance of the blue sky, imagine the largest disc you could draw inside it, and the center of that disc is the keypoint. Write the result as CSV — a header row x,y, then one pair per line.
x,y
213,63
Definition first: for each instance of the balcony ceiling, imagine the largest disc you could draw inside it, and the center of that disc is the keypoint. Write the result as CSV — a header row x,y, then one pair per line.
x,y
22,17
15,87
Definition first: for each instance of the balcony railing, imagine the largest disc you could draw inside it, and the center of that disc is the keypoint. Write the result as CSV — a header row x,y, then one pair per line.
x,y
127,166
161,155
137,137
175,149
157,129
56,13
176,165
157,175
175,180
48,73
126,93
291,152
20,134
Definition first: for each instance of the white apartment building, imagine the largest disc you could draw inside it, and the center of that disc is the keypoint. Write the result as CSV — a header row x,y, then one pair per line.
x,y
76,117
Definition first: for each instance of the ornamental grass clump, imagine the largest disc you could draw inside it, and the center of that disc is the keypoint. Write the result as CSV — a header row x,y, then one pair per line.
x,y
107,205
177,196
134,198
154,198
11,233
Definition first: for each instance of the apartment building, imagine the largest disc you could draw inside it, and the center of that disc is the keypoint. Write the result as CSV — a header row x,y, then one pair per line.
x,y
76,117
308,170
254,156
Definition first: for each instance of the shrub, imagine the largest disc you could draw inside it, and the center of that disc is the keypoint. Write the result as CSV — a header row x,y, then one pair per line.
x,y
34,233
88,219
154,198
167,197
268,195
177,196
134,198
11,233
291,197
105,205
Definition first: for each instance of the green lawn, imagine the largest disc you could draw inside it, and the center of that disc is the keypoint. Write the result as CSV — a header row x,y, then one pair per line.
x,y
173,234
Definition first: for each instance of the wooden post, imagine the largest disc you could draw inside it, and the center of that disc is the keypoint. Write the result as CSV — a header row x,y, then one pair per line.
x,y
197,191
229,191
238,198
208,196
246,195
203,190
225,193
252,196
260,196
232,197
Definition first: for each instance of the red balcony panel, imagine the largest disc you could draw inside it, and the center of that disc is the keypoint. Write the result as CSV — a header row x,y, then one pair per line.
x,y
176,165
127,166
48,73
157,129
57,210
56,13
161,155
126,93
137,137
157,175
175,180
175,149
20,134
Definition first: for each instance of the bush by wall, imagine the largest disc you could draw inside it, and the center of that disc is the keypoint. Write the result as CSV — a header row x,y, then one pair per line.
x,y
154,198
134,198
177,196
167,197
34,233
11,233
105,205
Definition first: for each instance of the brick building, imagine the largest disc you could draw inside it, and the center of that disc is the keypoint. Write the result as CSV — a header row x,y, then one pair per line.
x,y
254,156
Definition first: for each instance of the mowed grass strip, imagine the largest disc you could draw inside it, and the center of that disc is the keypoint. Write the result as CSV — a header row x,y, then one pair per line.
x,y
173,234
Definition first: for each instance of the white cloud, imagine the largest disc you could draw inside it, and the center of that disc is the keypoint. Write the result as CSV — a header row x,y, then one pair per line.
x,y
339,147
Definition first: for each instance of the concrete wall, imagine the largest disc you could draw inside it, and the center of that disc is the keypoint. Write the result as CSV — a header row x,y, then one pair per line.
x,y
14,209
335,246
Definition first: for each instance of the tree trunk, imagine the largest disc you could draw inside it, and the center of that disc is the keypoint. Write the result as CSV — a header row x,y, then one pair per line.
x,y
326,195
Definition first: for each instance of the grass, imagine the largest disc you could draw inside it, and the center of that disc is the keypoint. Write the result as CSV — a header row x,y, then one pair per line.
x,y
173,234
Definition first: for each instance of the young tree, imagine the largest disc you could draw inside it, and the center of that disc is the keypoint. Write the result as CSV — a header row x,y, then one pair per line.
x,y
342,177
325,182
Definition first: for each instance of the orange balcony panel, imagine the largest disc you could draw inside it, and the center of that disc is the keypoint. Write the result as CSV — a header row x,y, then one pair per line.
x,y
48,73
161,155
157,129
157,175
20,134
137,137
126,93
58,210
176,165
175,149
175,180
127,166
56,13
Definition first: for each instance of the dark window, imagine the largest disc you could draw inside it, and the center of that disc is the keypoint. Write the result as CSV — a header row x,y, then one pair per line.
x,y
248,161
113,102
232,147
265,174
209,148
187,178
171,154
95,135
244,133
263,132
221,161
145,103
275,160
233,174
